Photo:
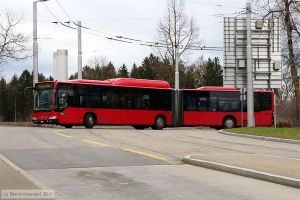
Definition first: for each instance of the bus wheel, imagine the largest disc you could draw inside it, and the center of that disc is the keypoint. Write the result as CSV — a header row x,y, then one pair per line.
x,y
68,126
160,123
89,120
229,122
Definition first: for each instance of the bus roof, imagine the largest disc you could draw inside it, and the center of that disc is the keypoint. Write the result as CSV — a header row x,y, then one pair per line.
x,y
218,88
126,82
215,88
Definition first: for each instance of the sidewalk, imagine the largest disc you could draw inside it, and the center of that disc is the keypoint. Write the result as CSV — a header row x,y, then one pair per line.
x,y
14,179
275,169
11,179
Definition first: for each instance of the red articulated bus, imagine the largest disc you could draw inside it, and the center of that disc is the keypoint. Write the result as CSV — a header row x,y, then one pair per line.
x,y
122,101
144,103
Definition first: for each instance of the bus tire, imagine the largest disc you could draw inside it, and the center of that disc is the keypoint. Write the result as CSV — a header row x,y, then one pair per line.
x,y
68,126
229,122
159,123
89,120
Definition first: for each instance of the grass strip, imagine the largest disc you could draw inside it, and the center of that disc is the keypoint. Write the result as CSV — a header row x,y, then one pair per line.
x,y
286,133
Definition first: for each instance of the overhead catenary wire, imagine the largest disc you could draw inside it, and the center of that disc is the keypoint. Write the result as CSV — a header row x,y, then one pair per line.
x,y
213,4
57,17
120,19
119,38
128,38
71,20
64,10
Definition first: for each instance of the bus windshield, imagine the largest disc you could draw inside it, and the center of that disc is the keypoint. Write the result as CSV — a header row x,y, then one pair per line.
x,y
43,97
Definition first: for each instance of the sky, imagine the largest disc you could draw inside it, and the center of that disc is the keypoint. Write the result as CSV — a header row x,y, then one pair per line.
x,y
136,19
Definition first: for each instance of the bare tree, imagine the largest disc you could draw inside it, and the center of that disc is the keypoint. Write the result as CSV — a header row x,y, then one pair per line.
x,y
13,44
291,29
199,66
287,92
290,17
99,61
176,30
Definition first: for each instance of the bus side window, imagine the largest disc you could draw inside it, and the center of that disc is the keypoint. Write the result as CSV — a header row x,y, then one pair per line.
x,y
146,100
266,101
213,104
164,100
105,101
202,103
257,102
138,102
115,100
191,103
185,102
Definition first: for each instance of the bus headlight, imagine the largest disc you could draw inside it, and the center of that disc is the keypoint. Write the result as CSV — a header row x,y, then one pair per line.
x,y
52,117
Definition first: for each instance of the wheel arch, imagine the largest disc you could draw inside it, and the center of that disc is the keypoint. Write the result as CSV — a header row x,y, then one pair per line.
x,y
229,116
93,114
160,115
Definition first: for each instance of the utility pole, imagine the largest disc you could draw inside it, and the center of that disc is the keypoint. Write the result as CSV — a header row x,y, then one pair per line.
x,y
176,109
176,69
15,108
250,93
35,45
79,51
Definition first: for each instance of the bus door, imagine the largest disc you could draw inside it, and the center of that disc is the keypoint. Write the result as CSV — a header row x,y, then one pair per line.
x,y
199,109
214,116
265,111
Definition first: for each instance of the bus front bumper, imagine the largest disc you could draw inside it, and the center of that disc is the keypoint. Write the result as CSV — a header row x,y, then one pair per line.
x,y
49,121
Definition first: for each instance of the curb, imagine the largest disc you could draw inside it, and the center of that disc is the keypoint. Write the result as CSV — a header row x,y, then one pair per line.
x,y
260,137
282,180
26,175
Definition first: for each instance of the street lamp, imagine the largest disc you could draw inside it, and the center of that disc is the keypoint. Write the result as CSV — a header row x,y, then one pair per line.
x,y
35,43
260,22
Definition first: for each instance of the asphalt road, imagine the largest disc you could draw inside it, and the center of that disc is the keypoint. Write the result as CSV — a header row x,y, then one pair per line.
x,y
123,163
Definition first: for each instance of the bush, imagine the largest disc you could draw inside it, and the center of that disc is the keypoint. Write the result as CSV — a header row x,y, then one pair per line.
x,y
286,113
284,124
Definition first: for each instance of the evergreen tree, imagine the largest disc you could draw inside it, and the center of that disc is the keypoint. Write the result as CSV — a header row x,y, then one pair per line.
x,y
73,76
109,71
135,72
152,68
213,74
98,72
50,78
123,72
41,77
146,69
89,73
12,98
25,99
189,79
167,72
3,99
